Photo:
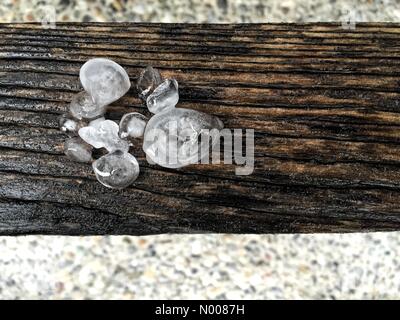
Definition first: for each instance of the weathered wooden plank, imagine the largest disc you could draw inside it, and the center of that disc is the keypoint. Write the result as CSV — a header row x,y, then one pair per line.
x,y
324,103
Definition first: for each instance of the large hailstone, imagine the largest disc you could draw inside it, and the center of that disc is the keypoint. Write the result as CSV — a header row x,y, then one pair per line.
x,y
171,138
104,80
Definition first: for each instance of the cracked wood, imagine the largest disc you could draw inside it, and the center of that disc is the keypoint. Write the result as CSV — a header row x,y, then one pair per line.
x,y
324,103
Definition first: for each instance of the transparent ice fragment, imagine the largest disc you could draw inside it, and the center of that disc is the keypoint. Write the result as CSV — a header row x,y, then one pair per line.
x,y
117,169
132,125
77,150
103,134
82,106
164,97
148,80
105,80
171,138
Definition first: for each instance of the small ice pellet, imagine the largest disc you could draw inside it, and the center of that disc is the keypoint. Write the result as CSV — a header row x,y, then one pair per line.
x,y
132,125
103,134
116,170
82,106
164,97
78,150
148,80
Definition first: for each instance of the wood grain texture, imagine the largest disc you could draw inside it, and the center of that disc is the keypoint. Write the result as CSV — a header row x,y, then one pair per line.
x,y
324,103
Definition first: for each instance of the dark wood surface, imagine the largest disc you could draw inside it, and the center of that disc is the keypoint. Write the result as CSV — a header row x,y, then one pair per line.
x,y
324,103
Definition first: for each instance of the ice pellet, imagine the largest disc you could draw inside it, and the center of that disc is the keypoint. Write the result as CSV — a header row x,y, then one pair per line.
x,y
104,134
116,170
148,80
164,97
78,150
82,106
132,125
105,80
171,138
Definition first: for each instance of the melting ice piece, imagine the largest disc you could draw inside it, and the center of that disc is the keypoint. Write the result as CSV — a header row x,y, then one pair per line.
x,y
148,80
67,124
77,150
105,80
164,97
103,134
171,138
132,125
116,170
83,106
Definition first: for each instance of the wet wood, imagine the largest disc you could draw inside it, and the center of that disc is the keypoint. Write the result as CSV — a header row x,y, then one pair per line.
x,y
324,103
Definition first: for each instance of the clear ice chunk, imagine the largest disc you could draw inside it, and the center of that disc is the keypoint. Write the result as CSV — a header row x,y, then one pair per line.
x,y
77,150
103,134
148,80
116,170
171,138
105,80
164,97
132,125
82,106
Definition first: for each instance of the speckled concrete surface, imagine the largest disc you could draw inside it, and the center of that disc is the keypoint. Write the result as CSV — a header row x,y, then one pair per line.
x,y
203,266
234,11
